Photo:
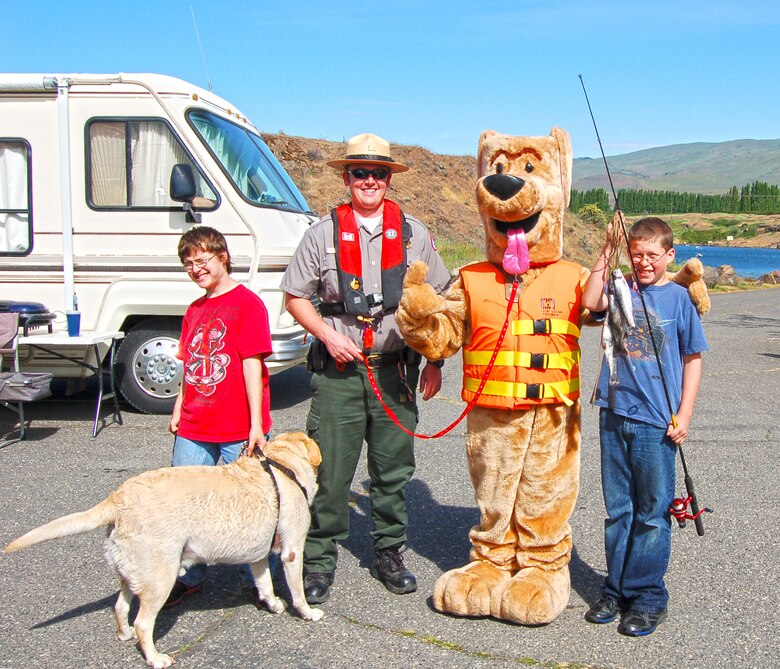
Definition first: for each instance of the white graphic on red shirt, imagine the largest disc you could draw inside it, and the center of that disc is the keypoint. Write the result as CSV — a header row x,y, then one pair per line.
x,y
207,366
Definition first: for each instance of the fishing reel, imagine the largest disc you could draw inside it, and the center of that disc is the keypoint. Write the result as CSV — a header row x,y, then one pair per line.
x,y
679,509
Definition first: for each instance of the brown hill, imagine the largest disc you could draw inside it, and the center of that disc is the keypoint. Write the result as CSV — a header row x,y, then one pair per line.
x,y
438,189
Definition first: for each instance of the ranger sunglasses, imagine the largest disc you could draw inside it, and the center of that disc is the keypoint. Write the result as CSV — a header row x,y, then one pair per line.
x,y
378,173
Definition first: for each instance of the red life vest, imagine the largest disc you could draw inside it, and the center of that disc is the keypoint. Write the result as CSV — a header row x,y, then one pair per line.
x,y
396,232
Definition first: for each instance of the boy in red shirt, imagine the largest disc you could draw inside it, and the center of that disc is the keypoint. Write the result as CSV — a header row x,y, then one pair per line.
x,y
224,400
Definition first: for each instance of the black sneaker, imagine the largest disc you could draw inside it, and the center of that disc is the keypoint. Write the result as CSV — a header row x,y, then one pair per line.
x,y
180,592
605,610
316,586
641,623
388,566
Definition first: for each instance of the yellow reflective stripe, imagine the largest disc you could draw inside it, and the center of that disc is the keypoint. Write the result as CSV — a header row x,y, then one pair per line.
x,y
551,326
559,389
565,360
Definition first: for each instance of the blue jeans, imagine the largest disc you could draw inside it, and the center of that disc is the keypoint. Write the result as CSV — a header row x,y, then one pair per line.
x,y
191,452
637,478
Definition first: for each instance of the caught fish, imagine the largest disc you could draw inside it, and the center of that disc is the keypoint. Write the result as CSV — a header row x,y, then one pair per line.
x,y
619,320
618,287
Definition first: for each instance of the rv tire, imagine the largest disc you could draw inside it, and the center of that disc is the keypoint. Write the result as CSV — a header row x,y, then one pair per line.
x,y
148,372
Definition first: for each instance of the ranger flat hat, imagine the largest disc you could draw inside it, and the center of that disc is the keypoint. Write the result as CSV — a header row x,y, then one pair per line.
x,y
368,149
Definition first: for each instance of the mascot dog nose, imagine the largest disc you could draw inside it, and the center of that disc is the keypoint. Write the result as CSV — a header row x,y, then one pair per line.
x,y
503,186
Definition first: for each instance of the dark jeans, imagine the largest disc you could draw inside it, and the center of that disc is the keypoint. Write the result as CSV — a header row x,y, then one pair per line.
x,y
638,477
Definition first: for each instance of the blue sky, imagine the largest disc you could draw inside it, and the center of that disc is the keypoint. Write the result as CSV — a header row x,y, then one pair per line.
x,y
437,72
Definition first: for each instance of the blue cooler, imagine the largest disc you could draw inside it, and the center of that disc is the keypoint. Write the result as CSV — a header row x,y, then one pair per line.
x,y
32,315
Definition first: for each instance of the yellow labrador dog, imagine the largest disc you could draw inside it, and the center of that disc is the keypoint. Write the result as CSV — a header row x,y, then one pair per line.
x,y
163,521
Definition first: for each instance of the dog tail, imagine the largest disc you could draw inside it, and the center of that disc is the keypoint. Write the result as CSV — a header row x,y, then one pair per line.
x,y
99,515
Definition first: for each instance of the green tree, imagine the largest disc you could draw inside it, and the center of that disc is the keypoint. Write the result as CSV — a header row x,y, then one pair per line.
x,y
592,215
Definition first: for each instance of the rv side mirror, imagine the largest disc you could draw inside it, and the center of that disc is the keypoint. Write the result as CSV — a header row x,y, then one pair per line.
x,y
182,183
183,189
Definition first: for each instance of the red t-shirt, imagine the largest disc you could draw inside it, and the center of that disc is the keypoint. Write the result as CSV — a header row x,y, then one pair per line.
x,y
216,335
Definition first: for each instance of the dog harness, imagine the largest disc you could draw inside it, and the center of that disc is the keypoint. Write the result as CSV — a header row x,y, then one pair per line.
x,y
538,362
396,233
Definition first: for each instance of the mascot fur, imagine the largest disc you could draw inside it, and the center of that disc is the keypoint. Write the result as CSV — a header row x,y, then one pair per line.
x,y
523,435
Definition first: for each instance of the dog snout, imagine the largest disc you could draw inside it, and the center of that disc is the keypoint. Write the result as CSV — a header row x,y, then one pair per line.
x,y
503,186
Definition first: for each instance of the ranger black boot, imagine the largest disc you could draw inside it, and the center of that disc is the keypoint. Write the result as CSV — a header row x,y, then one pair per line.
x,y
388,566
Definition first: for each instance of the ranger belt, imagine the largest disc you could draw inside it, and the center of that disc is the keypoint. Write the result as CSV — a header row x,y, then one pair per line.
x,y
377,360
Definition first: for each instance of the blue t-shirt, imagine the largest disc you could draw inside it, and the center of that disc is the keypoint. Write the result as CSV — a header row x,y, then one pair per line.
x,y
677,329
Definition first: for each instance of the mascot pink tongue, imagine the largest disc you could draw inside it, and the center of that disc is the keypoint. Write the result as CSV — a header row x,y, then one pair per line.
x,y
516,259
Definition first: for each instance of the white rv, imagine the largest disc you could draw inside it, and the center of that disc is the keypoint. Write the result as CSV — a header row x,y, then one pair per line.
x,y
99,177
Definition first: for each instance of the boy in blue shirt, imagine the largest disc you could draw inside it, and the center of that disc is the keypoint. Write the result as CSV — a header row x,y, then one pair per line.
x,y
638,440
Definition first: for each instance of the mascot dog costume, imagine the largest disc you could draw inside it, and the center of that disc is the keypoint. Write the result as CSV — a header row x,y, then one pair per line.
x,y
523,434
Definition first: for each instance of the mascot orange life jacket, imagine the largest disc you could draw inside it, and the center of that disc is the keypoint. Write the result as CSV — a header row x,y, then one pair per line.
x,y
538,362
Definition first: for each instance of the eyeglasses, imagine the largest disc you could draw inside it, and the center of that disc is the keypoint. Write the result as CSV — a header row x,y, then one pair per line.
x,y
200,263
361,173
649,258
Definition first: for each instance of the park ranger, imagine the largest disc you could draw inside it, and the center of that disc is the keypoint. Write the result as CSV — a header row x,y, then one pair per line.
x,y
353,261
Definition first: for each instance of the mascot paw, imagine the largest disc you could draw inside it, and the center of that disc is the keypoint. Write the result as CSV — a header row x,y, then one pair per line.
x,y
468,591
690,277
533,596
419,299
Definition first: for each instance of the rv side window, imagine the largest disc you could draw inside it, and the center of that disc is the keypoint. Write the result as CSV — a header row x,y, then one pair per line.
x,y
15,197
130,165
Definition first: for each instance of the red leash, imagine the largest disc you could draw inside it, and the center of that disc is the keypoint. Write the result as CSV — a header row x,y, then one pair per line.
x,y
470,406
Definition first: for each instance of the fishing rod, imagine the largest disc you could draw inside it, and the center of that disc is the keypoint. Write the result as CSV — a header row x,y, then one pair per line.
x,y
679,505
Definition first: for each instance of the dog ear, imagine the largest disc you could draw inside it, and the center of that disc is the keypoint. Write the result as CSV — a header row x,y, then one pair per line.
x,y
565,160
481,168
487,134
313,452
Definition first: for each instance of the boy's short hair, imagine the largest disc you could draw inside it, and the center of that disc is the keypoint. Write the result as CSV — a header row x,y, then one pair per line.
x,y
652,228
204,238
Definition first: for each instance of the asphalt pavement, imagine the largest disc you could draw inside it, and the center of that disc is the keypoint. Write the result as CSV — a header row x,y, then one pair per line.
x,y
57,598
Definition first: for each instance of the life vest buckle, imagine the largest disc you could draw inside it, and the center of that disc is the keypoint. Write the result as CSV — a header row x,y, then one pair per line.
x,y
533,391
538,361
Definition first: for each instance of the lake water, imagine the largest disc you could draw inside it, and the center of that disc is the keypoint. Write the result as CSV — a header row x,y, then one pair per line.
x,y
747,262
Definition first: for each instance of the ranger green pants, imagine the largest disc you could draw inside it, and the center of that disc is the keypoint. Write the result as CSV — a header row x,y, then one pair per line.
x,y
344,413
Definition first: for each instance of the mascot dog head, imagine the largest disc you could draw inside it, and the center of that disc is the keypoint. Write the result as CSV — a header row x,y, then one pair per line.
x,y
522,192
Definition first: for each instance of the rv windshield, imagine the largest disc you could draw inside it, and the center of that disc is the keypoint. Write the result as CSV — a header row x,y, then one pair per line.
x,y
248,162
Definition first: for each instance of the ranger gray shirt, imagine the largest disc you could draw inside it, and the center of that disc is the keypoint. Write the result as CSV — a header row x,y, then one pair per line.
x,y
313,272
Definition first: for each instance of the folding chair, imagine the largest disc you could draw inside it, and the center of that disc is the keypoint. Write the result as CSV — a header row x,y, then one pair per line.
x,y
9,328
16,387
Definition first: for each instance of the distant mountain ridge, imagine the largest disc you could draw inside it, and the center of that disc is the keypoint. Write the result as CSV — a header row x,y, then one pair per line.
x,y
699,167
439,189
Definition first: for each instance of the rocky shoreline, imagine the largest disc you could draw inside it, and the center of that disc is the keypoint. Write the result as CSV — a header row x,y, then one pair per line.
x,y
725,275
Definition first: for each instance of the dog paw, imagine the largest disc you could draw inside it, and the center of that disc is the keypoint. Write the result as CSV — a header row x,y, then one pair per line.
x,y
275,605
160,661
127,635
312,615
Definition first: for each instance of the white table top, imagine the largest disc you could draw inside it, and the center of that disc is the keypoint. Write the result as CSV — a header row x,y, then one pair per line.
x,y
86,338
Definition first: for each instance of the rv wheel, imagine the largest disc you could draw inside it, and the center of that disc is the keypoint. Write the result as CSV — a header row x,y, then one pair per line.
x,y
148,372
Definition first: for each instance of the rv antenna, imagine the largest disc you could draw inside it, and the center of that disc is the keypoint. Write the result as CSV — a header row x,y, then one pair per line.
x,y
202,55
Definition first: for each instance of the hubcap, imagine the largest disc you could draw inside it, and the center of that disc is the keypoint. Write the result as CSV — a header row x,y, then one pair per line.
x,y
156,369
